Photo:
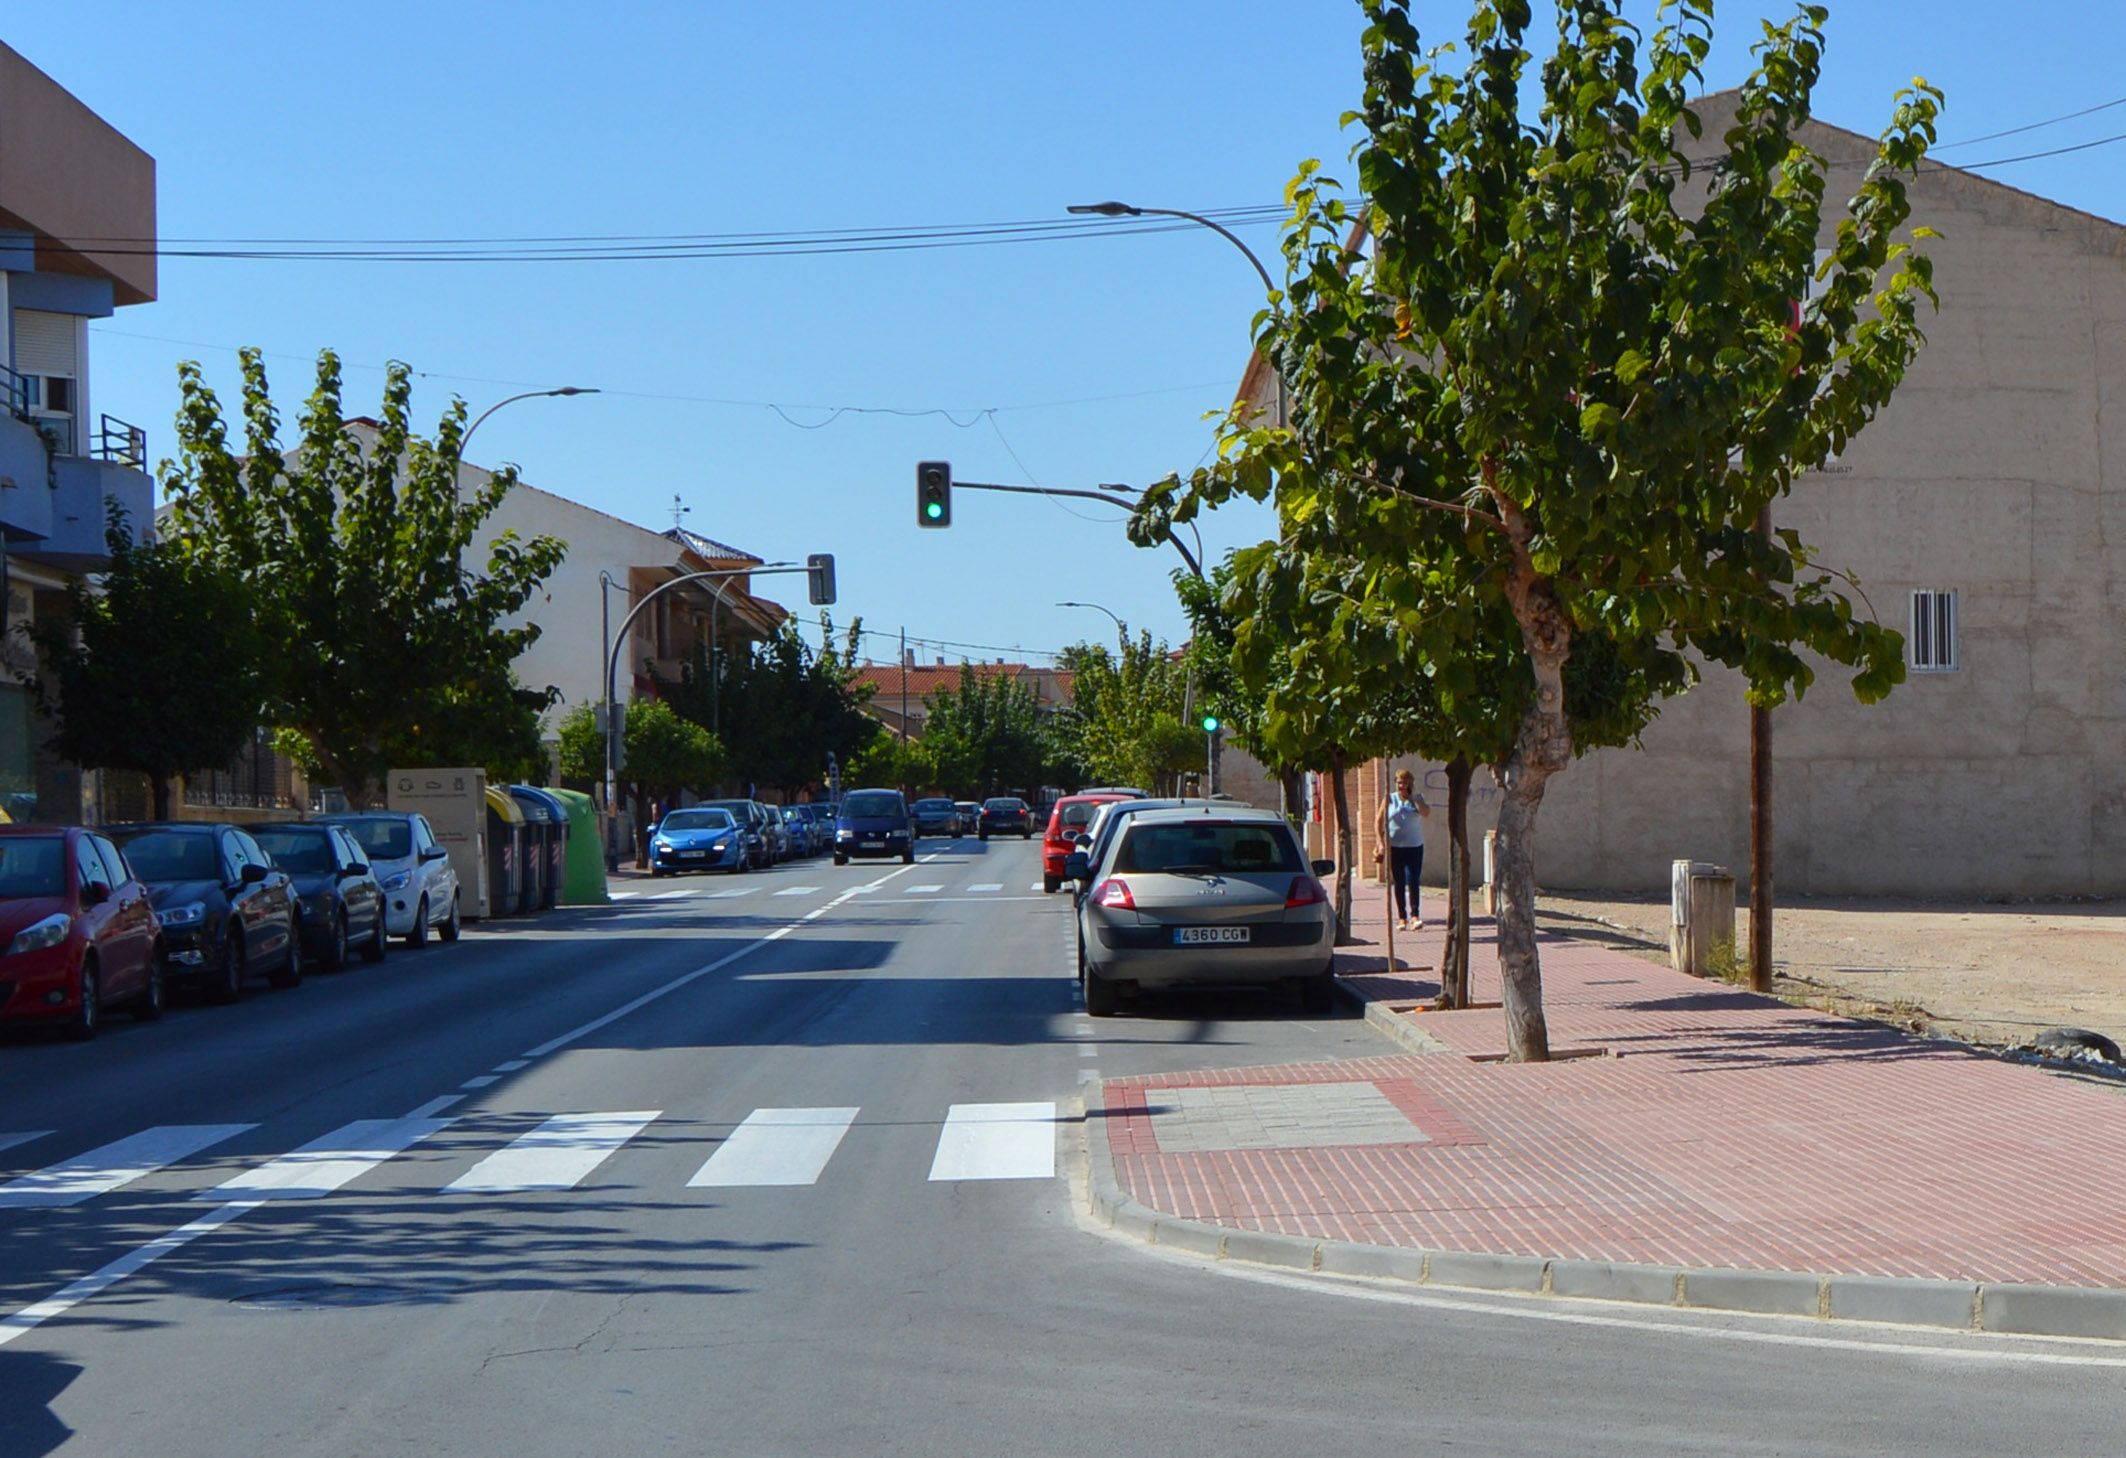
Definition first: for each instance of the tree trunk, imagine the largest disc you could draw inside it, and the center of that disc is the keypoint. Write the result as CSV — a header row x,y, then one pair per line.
x,y
1454,960
1346,851
159,796
1291,789
1542,747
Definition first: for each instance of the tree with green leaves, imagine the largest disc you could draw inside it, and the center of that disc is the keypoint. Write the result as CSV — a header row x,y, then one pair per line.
x,y
1128,713
780,706
153,668
1566,370
987,732
382,646
890,762
579,749
662,757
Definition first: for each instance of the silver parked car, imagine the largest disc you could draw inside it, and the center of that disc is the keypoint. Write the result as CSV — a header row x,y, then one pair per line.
x,y
1204,896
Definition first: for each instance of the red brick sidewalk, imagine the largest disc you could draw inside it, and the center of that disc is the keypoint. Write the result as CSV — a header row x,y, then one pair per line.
x,y
1718,1129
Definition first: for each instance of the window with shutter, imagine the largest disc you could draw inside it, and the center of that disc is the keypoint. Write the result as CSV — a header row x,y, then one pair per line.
x,y
1933,637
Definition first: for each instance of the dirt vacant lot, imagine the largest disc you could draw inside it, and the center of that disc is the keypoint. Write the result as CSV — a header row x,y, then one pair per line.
x,y
1985,973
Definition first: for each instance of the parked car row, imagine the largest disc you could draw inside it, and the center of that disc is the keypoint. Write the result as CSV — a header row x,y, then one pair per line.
x,y
113,917
737,835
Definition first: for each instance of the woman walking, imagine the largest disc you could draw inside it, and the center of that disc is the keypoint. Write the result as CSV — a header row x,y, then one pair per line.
x,y
1401,830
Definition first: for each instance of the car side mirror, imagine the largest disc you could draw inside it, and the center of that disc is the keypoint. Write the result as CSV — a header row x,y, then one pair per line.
x,y
1077,866
353,868
253,874
1324,868
1080,838
94,893
434,853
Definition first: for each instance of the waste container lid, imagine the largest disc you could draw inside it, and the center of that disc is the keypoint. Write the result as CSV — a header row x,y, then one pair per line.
x,y
503,806
537,808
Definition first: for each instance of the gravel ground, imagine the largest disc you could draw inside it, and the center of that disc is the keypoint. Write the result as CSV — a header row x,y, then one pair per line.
x,y
1986,973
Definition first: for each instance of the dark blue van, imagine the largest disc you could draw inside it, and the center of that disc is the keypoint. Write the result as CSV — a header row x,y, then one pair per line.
x,y
873,823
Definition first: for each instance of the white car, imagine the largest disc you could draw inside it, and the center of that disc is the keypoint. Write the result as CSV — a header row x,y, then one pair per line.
x,y
420,884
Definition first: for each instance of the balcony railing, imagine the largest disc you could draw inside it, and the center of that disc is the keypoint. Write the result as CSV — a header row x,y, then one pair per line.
x,y
121,443
14,393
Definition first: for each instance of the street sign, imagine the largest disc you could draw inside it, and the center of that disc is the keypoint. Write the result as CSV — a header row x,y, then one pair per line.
x,y
819,572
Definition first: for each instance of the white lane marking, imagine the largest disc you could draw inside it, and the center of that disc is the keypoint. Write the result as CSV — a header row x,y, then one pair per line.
x,y
860,891
555,1156
921,890
732,894
797,891
1087,1050
1038,886
670,895
324,1164
1524,1308
987,900
776,1147
621,895
436,1106
67,1297
997,1142
100,1171
482,1081
24,1136
685,978
987,886
513,1065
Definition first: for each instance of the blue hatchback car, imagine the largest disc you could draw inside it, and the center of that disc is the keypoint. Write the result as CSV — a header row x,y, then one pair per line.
x,y
696,840
873,823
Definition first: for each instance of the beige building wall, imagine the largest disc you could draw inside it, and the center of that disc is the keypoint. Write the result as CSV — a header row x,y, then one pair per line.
x,y
69,175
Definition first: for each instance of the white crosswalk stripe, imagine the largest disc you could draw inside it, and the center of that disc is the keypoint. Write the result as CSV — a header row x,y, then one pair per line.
x,y
558,1155
734,892
325,1164
797,891
987,886
115,1165
923,890
997,1142
1037,886
776,1147
770,1147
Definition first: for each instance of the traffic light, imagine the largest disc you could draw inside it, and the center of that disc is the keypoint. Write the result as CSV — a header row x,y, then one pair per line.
x,y
933,493
819,570
1210,723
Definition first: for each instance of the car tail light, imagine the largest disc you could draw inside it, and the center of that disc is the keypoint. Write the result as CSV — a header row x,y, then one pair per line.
x,y
1306,891
1114,894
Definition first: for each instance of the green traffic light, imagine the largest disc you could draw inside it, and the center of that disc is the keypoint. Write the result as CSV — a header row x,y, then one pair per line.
x,y
933,510
1210,723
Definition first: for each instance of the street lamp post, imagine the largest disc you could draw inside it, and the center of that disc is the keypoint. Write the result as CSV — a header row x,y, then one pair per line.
x,y
1269,286
564,390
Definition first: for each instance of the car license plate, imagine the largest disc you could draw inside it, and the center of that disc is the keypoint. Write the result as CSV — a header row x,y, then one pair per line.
x,y
1190,936
874,840
693,855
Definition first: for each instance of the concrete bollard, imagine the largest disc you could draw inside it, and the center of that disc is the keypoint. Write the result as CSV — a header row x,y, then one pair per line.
x,y
1701,938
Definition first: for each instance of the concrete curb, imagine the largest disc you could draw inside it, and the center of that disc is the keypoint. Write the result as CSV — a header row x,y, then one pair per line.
x,y
2021,1310
1391,1025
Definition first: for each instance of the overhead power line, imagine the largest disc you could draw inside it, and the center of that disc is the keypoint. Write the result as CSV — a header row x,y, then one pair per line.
x,y
2050,121
659,247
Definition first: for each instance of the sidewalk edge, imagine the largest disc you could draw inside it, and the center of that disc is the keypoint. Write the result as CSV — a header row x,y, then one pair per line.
x,y
1969,1306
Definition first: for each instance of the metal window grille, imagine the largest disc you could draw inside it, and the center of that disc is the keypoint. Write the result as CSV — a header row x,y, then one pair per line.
x,y
260,779
1934,637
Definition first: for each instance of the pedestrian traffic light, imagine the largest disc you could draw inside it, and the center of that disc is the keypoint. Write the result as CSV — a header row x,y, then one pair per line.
x,y
819,569
1210,723
933,493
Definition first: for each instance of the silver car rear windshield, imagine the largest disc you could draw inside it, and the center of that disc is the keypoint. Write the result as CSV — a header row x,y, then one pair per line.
x,y
1207,846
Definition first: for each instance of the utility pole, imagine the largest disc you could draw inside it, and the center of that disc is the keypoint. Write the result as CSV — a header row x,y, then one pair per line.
x,y
904,684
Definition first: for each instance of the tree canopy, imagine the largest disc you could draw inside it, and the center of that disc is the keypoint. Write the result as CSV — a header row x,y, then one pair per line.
x,y
381,646
1546,380
781,707
154,667
984,737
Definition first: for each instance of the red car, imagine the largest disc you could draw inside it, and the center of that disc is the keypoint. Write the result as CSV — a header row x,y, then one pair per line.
x,y
78,931
1071,815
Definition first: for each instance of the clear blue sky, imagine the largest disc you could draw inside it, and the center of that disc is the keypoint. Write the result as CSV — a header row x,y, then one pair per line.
x,y
1099,355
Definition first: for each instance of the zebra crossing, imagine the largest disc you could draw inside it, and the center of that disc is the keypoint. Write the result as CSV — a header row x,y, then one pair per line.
x,y
770,1147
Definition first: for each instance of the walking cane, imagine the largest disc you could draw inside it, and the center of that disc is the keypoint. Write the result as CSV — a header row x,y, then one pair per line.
x,y
1386,861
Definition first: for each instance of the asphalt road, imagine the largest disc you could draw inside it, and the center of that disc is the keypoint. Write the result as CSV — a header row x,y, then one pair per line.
x,y
785,1164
